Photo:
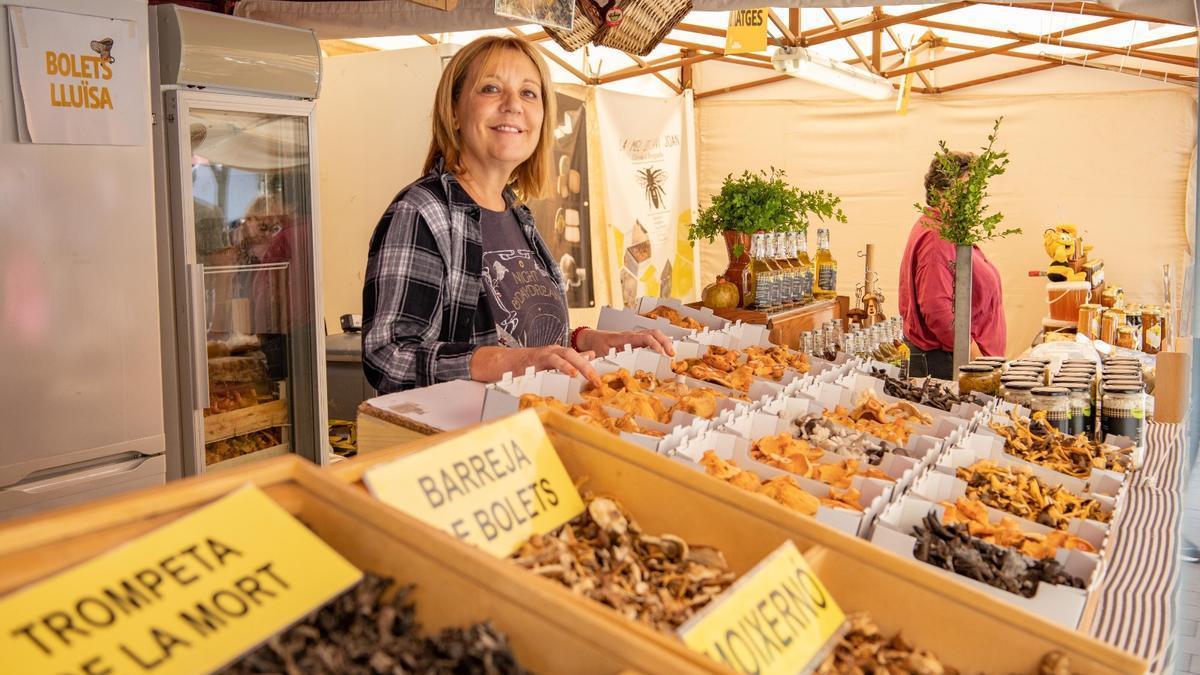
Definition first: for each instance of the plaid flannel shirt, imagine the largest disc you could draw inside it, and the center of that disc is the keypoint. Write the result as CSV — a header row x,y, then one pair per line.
x,y
423,309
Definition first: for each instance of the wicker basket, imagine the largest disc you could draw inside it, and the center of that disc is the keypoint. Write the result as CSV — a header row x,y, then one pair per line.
x,y
588,22
644,24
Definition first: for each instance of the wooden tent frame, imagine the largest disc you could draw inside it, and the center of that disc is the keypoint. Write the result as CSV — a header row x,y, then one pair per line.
x,y
877,24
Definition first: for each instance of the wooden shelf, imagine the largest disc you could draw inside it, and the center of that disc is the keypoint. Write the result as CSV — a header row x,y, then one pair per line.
x,y
245,421
787,325
265,453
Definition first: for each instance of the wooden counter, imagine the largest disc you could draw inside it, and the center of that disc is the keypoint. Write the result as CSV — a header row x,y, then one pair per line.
x,y
787,325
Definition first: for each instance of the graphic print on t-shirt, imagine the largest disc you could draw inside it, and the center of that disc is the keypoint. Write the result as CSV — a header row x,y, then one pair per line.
x,y
528,310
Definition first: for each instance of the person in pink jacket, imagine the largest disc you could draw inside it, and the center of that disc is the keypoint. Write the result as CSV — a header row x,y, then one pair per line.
x,y
927,292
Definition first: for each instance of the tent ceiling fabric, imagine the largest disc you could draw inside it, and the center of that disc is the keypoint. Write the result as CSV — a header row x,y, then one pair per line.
x,y
337,19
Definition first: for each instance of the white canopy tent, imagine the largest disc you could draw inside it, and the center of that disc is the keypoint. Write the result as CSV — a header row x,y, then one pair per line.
x,y
1099,111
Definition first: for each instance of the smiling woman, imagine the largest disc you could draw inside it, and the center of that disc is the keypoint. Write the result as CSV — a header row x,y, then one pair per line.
x,y
459,283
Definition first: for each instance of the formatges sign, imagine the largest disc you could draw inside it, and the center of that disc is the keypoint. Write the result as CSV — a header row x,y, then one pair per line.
x,y
493,487
79,79
747,31
188,597
777,619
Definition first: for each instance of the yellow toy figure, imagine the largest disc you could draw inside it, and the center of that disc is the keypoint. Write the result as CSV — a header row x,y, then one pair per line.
x,y
1059,243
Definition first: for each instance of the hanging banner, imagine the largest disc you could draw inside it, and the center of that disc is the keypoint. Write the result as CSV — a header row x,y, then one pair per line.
x,y
747,31
78,79
563,215
648,155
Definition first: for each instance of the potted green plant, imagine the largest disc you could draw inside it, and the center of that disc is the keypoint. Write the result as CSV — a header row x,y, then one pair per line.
x,y
961,211
759,202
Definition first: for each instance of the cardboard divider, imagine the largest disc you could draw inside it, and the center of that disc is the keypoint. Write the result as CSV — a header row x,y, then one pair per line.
x,y
875,493
940,487
987,446
666,497
704,316
1061,604
548,633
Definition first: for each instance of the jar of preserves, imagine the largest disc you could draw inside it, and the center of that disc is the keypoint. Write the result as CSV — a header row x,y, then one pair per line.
x,y
1055,402
1031,372
1113,297
1111,320
1017,392
1124,411
977,377
1081,406
1152,329
1128,337
1089,320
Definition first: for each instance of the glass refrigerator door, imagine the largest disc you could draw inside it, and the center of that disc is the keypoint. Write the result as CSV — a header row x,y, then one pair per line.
x,y
247,207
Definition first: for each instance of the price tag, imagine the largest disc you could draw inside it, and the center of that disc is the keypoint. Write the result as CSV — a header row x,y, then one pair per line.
x,y
747,31
776,619
493,487
188,597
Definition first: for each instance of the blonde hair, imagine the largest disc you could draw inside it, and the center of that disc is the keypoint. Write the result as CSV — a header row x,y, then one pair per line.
x,y
531,177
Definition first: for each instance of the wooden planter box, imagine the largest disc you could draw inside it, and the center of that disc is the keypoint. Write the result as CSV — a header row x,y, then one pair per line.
x,y
455,585
965,627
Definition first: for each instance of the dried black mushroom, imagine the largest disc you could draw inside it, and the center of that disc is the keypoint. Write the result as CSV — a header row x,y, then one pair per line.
x,y
371,629
928,392
952,548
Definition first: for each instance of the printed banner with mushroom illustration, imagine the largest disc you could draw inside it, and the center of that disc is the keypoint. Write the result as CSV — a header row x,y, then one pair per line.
x,y
78,78
648,144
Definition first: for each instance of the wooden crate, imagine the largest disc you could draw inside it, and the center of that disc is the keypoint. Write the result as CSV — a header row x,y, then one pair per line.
x,y
455,585
246,420
965,627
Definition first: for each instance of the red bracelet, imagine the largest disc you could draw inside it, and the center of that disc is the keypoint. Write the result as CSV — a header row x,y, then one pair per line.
x,y
575,337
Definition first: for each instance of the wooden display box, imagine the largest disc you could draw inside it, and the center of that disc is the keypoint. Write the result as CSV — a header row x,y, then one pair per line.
x,y
455,585
787,325
965,627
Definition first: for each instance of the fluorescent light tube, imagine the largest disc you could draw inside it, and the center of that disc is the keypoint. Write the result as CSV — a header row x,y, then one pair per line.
x,y
808,65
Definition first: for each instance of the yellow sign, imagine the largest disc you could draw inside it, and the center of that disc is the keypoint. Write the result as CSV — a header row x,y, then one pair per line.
x,y
747,31
776,619
187,598
493,487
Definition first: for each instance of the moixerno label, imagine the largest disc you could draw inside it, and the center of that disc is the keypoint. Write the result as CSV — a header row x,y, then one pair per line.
x,y
775,620
493,487
188,597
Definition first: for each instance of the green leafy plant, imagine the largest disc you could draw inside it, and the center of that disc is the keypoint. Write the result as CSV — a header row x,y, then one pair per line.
x,y
960,207
762,202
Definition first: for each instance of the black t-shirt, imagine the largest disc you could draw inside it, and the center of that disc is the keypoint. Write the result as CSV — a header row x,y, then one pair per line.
x,y
526,304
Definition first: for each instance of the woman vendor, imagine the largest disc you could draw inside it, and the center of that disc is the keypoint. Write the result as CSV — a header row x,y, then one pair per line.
x,y
927,290
459,284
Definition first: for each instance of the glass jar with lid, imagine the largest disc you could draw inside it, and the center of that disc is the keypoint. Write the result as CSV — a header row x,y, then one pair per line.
x,y
1017,392
1089,320
1032,372
1152,329
977,378
1124,411
1128,337
1081,406
1110,321
1055,402
998,361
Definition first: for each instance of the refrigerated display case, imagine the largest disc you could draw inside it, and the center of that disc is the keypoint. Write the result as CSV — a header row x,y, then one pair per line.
x,y
239,225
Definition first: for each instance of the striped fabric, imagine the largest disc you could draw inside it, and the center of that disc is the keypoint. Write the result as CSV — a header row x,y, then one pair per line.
x,y
1136,610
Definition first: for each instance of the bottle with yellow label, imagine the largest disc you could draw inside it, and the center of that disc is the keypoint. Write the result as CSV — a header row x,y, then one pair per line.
x,y
798,245
761,278
826,268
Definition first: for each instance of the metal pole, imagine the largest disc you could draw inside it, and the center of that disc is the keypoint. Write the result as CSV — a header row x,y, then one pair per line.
x,y
962,306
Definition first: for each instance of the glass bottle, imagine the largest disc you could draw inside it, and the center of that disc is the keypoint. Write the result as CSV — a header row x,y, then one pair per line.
x,y
826,266
805,263
806,343
790,286
760,276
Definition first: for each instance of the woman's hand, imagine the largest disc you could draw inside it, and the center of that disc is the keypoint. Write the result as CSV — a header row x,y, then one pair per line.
x,y
600,341
489,364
